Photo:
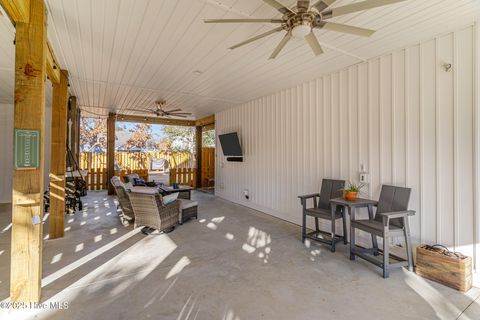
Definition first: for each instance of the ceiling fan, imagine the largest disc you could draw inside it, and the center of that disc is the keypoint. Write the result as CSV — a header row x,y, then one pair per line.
x,y
300,21
161,112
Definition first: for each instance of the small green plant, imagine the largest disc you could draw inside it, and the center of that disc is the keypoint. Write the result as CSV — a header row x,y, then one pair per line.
x,y
353,187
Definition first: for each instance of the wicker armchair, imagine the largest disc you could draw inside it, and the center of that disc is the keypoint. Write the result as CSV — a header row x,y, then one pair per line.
x,y
151,213
123,200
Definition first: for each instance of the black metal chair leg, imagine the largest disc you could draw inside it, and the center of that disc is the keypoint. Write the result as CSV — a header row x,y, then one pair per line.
x,y
344,219
317,228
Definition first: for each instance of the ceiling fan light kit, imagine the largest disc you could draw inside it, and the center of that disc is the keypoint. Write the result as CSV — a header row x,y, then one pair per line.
x,y
300,21
301,31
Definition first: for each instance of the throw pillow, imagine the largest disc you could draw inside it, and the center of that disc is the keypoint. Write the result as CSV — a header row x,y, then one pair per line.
x,y
170,198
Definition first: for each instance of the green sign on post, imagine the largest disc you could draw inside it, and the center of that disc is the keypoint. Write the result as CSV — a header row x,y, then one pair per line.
x,y
27,149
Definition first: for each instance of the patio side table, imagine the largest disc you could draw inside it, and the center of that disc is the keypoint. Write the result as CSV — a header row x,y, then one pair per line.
x,y
184,191
351,206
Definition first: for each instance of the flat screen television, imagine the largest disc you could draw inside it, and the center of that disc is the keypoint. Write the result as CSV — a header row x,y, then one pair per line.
x,y
230,145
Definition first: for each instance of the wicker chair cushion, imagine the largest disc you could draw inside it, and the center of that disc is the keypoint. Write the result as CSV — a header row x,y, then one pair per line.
x,y
170,198
185,204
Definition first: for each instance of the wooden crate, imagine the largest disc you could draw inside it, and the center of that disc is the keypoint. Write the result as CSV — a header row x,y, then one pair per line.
x,y
451,271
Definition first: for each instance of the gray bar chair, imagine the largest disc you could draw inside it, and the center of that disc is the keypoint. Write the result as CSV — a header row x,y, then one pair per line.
x,y
321,210
390,221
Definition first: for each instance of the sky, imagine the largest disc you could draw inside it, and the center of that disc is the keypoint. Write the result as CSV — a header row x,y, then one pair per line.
x,y
157,130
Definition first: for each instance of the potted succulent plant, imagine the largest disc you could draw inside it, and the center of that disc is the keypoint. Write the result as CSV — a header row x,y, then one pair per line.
x,y
351,191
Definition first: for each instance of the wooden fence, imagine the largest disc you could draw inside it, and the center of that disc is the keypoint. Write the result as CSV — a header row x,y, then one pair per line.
x,y
208,166
135,160
182,166
185,176
96,179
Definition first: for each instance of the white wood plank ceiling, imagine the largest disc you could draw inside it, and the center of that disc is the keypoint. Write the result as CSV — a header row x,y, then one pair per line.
x,y
124,55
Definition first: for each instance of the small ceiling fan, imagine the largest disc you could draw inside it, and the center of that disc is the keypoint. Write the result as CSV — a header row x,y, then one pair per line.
x,y
300,21
161,112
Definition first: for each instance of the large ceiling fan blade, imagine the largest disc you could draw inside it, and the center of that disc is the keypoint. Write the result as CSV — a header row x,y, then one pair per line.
x,y
281,45
257,37
277,5
348,29
173,110
323,4
358,6
313,43
303,5
243,20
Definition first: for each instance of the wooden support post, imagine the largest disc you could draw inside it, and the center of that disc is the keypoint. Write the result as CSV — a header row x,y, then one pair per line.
x,y
27,205
199,156
110,151
79,115
58,153
72,139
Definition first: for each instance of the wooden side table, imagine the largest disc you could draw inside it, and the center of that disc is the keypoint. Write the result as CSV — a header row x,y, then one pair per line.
x,y
351,206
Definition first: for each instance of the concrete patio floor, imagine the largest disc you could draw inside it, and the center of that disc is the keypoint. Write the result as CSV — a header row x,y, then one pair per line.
x,y
232,263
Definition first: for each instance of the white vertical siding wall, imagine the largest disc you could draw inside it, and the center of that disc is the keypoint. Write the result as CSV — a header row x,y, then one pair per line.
x,y
401,115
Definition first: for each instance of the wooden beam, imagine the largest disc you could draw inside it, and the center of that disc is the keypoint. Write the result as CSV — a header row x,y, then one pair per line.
x,y
156,120
110,151
198,138
56,224
17,10
205,121
209,127
27,206
53,69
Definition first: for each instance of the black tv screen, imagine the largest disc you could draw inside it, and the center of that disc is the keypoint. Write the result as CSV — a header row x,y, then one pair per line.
x,y
230,144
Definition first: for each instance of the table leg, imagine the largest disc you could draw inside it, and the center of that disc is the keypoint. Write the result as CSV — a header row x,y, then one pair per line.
x,y
374,237
351,211
332,211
